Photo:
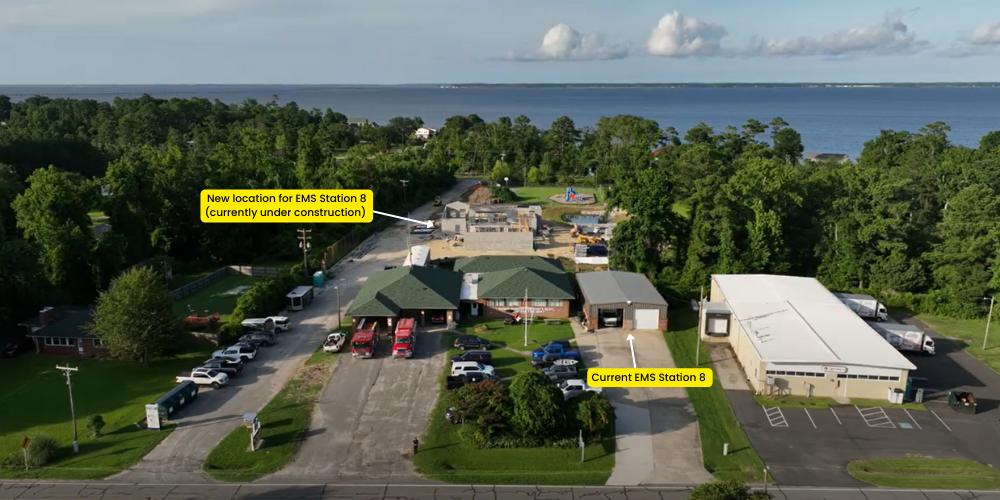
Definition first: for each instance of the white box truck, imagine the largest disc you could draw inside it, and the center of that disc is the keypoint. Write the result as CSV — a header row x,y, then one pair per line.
x,y
905,337
864,305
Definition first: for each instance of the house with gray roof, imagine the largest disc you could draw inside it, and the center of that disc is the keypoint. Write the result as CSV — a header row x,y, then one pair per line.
x,y
427,294
622,300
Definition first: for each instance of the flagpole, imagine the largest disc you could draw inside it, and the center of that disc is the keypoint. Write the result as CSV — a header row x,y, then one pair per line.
x,y
525,319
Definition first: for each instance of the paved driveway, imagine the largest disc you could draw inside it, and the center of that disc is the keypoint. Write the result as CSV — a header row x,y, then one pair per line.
x,y
658,442
180,456
373,408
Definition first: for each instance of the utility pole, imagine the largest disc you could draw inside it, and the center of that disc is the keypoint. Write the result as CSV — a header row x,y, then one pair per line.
x,y
405,182
72,409
988,318
337,288
701,316
305,246
525,318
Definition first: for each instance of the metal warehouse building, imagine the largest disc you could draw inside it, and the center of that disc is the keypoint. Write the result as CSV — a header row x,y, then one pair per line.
x,y
792,336
628,298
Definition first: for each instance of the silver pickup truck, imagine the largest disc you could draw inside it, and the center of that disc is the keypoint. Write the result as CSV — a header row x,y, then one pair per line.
x,y
204,376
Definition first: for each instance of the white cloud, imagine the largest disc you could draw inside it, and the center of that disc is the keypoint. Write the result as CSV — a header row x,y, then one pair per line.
x,y
563,43
678,37
987,34
890,36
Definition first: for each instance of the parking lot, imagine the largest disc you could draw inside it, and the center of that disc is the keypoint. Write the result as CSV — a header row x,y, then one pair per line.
x,y
814,446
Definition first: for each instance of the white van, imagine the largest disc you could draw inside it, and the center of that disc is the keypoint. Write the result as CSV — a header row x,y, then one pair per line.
x,y
281,323
462,367
299,298
254,325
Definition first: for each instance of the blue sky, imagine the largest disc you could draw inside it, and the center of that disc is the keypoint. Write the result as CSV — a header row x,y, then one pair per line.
x,y
509,41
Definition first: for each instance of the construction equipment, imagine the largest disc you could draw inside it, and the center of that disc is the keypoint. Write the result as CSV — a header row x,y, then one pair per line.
x,y
199,322
589,240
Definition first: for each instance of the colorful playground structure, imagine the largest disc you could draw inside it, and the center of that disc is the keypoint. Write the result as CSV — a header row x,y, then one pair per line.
x,y
571,196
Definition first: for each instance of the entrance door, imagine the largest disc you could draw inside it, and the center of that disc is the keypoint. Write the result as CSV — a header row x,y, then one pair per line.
x,y
474,310
647,319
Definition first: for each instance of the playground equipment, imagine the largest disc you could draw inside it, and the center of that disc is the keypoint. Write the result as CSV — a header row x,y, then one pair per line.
x,y
197,322
571,195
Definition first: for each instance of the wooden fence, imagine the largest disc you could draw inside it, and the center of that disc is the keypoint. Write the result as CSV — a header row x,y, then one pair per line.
x,y
222,272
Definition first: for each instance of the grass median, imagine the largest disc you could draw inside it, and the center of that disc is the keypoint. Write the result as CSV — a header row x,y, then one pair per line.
x,y
717,423
926,473
444,457
284,422
36,402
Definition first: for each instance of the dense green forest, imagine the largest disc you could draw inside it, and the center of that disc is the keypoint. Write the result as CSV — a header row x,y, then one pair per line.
x,y
914,218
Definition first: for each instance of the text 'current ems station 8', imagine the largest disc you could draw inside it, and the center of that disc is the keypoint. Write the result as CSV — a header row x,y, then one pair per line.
x,y
287,205
649,377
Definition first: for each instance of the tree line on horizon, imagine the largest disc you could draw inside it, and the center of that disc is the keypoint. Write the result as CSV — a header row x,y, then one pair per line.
x,y
915,217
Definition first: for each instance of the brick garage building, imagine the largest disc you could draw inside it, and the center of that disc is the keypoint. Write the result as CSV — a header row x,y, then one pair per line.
x,y
629,298
495,286
60,331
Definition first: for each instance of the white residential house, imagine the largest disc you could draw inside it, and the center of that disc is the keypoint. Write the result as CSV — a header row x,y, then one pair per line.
x,y
425,133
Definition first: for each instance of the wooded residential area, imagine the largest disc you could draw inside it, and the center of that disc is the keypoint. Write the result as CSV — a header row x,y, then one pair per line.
x,y
914,219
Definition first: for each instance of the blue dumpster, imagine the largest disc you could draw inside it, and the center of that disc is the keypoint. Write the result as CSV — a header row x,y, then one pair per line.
x,y
318,279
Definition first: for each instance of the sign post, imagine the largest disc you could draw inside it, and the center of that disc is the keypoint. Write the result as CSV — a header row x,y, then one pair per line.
x,y
24,447
582,446
153,417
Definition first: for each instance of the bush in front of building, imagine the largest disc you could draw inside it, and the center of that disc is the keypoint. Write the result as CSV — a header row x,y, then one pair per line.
x,y
94,424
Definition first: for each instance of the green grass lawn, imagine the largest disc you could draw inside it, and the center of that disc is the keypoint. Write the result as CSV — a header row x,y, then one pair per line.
x,y
444,457
179,280
969,332
513,335
926,473
36,399
823,403
211,299
716,422
284,422
539,195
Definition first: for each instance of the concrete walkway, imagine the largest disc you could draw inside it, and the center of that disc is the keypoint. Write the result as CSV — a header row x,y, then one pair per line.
x,y
657,440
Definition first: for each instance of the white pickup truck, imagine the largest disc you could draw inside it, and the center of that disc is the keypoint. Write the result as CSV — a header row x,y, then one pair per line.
x,y
574,387
204,376
334,342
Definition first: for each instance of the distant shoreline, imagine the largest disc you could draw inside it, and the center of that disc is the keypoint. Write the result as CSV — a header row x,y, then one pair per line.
x,y
458,86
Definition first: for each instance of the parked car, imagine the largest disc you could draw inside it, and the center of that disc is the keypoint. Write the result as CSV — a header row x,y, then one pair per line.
x,y
334,342
204,376
259,339
221,366
281,323
561,370
466,342
243,351
457,382
439,318
551,353
18,347
484,357
574,387
564,343
228,359
463,367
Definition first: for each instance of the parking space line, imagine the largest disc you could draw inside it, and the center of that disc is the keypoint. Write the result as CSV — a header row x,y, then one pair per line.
x,y
875,417
775,416
810,418
836,417
913,419
942,421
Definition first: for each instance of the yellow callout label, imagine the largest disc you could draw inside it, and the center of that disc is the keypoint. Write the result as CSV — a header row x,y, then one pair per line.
x,y
286,205
649,377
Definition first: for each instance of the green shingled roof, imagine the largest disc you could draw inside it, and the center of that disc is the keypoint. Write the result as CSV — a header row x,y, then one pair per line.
x,y
388,292
512,283
493,263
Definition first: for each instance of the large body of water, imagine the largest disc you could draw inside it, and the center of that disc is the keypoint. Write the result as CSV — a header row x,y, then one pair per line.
x,y
833,120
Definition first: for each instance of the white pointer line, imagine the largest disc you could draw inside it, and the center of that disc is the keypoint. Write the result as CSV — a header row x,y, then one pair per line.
x,y
632,346
426,223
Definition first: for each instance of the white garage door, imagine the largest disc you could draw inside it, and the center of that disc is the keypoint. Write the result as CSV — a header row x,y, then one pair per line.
x,y
647,319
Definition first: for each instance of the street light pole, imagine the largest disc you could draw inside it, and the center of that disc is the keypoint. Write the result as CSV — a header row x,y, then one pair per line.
x,y
72,409
988,318
405,182
701,316
337,288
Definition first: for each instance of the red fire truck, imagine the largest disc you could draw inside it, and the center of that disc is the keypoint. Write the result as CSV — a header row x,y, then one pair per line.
x,y
365,339
406,338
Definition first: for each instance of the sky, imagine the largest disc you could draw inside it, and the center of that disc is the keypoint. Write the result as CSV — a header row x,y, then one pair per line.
x,y
494,41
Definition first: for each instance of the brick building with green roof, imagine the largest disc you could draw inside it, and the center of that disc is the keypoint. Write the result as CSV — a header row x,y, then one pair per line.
x,y
495,286
428,295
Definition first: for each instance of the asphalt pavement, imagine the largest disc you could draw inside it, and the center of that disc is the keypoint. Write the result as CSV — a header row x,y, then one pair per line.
x,y
103,491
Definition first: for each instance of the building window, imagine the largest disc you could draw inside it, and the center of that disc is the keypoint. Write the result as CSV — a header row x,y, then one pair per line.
x,y
555,302
894,379
841,375
98,343
59,341
497,303
538,302
514,302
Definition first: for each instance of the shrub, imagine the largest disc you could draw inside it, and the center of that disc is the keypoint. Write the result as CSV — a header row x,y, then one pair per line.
x,y
538,406
42,450
593,414
94,424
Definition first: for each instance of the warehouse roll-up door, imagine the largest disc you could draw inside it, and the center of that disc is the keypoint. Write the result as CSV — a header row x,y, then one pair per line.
x,y
647,319
718,326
